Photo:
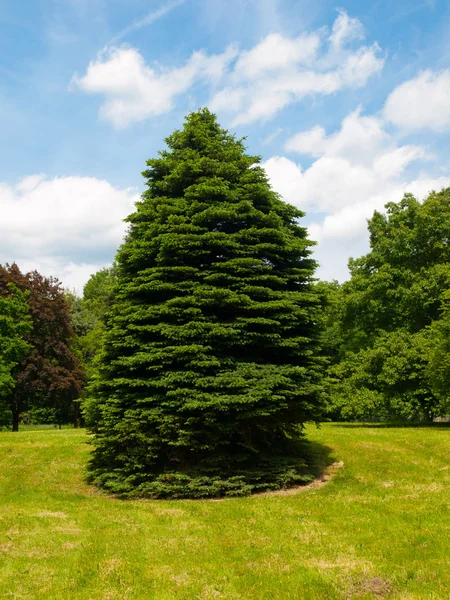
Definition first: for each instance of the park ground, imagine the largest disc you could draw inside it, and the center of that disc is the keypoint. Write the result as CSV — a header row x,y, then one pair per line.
x,y
378,528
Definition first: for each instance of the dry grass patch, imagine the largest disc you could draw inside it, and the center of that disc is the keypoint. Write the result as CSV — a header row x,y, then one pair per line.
x,y
375,587
181,579
169,512
109,566
344,563
49,514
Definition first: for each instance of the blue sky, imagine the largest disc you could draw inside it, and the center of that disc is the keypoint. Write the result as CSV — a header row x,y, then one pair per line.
x,y
348,105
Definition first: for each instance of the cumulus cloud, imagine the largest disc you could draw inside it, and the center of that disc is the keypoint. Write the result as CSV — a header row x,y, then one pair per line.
x,y
356,170
253,84
308,142
351,163
276,52
134,91
421,103
68,227
280,70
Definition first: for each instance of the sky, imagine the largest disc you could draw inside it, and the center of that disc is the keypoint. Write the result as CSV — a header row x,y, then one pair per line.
x,y
348,106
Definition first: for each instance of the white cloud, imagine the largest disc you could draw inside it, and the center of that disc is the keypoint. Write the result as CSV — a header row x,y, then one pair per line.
x,y
421,103
345,29
308,142
255,84
280,70
272,136
28,184
148,19
356,170
72,276
349,221
67,227
352,164
134,91
276,52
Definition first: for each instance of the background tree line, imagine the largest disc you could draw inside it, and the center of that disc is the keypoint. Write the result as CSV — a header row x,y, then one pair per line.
x,y
385,331
50,340
40,374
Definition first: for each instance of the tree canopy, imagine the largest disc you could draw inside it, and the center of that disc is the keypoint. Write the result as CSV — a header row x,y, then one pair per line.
x,y
15,324
210,364
48,374
391,340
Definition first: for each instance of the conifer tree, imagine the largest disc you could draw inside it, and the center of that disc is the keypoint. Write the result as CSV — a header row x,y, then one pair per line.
x,y
210,364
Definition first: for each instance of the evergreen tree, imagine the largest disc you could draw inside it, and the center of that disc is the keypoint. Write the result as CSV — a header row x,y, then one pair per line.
x,y
210,364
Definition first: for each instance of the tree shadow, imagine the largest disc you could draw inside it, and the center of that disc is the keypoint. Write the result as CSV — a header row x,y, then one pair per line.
x,y
320,457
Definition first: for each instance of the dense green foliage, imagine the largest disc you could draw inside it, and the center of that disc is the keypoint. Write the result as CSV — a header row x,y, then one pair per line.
x,y
438,367
210,361
88,316
387,328
14,326
46,375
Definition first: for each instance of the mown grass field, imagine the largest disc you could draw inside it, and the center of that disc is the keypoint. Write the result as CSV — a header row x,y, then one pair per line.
x,y
379,528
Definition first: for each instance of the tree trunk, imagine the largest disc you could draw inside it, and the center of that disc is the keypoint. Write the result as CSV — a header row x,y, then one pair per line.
x,y
75,415
16,415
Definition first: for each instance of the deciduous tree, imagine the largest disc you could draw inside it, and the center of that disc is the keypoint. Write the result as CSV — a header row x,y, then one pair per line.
x,y
49,374
15,324
391,308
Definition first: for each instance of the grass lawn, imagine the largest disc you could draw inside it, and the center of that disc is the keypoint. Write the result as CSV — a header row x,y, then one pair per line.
x,y
379,528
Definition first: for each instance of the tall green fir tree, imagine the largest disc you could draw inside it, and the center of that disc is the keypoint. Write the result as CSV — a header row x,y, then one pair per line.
x,y
210,365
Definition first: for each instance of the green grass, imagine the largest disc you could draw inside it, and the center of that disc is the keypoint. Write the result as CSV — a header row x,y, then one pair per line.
x,y
379,528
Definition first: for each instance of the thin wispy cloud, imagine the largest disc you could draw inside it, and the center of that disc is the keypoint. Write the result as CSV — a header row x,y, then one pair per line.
x,y
148,19
272,136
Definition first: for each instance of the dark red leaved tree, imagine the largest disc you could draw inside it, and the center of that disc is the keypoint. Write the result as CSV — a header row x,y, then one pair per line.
x,y
50,375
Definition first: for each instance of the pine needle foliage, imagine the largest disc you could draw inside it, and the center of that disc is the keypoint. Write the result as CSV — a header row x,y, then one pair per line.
x,y
210,363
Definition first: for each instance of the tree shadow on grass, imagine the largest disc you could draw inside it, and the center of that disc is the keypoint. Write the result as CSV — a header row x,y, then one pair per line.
x,y
322,464
320,458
